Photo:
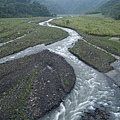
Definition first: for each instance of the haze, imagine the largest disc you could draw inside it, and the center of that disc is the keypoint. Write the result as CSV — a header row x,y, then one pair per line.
x,y
71,6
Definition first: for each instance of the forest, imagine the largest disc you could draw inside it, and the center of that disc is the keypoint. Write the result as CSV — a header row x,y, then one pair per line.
x,y
111,9
22,8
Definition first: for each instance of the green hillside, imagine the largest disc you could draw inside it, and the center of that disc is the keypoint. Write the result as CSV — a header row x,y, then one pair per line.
x,y
71,6
22,8
111,8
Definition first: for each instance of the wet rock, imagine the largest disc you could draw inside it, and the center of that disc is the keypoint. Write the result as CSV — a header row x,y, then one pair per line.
x,y
99,113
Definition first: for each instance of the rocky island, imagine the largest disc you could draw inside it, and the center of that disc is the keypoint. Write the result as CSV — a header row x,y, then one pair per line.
x,y
33,85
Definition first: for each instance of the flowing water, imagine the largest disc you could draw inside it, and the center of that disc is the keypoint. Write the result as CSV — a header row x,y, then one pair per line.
x,y
92,89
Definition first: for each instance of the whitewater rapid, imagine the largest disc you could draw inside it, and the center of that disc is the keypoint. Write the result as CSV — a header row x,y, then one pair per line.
x,y
92,88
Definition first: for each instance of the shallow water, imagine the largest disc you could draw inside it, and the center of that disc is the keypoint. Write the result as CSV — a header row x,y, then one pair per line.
x,y
92,88
115,74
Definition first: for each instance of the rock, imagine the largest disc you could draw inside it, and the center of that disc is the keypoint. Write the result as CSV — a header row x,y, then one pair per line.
x,y
97,114
114,39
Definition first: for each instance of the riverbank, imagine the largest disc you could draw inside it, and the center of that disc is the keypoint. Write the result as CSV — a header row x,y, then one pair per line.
x,y
96,31
34,85
18,34
93,57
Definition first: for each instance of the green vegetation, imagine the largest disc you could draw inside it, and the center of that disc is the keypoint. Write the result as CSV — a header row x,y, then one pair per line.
x,y
12,28
66,82
104,42
92,56
32,32
22,8
95,29
92,24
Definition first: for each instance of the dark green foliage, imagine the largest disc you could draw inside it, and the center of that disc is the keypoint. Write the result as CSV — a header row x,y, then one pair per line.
x,y
21,8
111,8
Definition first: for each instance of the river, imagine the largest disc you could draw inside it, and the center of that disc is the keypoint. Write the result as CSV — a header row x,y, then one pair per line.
x,y
92,88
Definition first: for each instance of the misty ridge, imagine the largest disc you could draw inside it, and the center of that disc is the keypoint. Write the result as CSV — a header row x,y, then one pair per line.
x,y
72,6
110,8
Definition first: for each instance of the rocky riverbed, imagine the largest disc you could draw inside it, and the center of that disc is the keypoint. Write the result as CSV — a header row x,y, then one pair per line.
x,y
33,85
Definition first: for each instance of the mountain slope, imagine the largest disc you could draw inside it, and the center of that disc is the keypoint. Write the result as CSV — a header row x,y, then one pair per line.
x,y
111,8
71,6
22,8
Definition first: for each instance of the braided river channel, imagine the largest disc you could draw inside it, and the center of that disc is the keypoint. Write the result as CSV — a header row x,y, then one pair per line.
x,y
92,89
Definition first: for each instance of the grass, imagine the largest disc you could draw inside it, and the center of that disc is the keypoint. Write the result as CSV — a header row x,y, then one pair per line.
x,y
12,28
92,56
104,42
34,34
95,29
95,25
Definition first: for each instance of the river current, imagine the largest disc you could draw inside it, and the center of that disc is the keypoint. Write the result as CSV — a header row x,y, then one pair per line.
x,y
92,88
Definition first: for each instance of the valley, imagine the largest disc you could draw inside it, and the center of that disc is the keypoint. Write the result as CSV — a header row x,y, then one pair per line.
x,y
59,60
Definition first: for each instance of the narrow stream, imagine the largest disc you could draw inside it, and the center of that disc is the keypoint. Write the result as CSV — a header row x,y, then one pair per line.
x,y
1,44
92,89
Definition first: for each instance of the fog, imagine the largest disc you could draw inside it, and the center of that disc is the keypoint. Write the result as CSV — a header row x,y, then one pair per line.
x,y
72,6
